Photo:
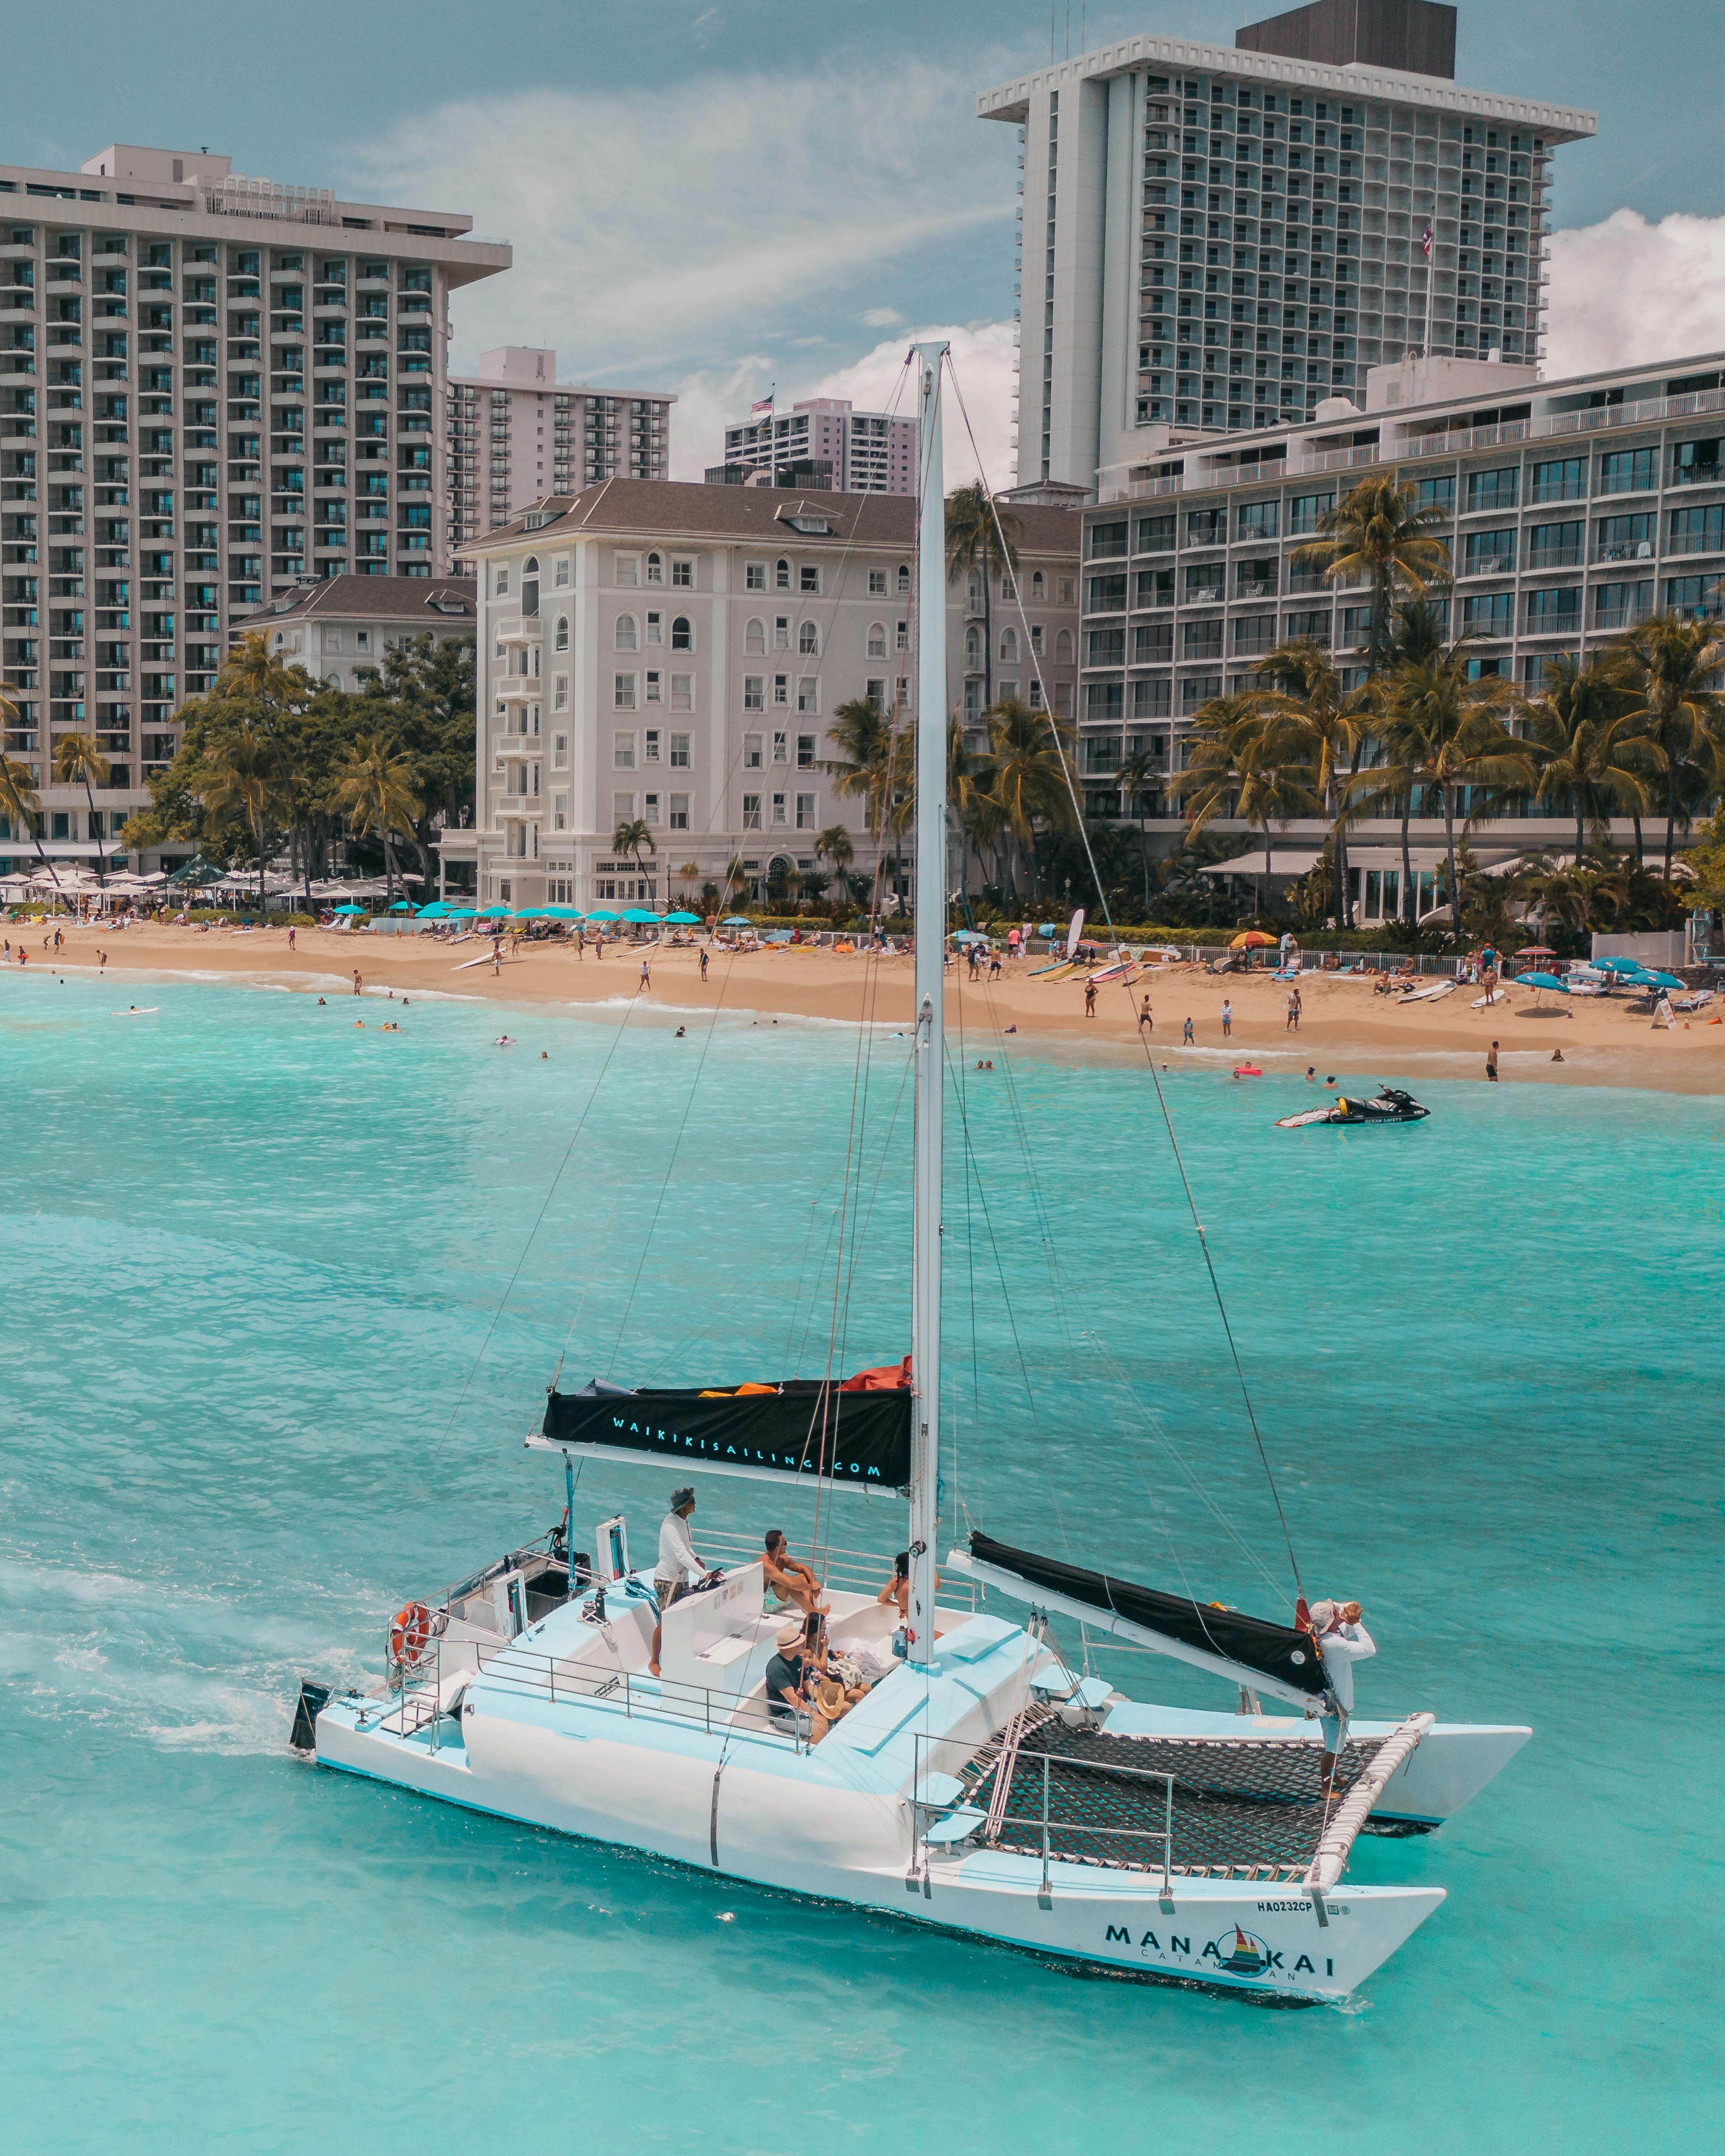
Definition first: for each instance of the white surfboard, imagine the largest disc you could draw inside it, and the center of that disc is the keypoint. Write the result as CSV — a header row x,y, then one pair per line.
x,y
148,1010
1429,995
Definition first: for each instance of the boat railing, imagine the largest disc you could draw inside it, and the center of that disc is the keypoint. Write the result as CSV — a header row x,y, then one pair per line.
x,y
851,1572
418,1694
933,1800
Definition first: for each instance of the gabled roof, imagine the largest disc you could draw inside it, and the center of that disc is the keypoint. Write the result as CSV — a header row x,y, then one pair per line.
x,y
668,512
436,603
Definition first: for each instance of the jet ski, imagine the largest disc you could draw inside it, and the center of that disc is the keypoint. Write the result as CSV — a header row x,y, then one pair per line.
x,y
1392,1106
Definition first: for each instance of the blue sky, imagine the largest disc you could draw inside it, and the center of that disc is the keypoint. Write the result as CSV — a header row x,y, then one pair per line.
x,y
712,195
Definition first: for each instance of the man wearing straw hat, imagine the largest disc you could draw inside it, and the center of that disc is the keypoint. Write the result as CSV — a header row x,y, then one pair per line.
x,y
676,1561
1341,1642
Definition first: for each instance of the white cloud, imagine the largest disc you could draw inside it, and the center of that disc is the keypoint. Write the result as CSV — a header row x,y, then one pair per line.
x,y
663,230
881,318
982,367
1626,291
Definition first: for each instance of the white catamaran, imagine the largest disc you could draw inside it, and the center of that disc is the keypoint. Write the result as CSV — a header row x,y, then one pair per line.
x,y
980,1784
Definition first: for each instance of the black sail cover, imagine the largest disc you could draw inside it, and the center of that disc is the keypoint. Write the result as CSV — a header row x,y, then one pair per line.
x,y
1274,1650
807,1431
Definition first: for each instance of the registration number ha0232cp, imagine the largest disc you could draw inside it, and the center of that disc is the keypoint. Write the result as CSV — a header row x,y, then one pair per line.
x,y
1299,1908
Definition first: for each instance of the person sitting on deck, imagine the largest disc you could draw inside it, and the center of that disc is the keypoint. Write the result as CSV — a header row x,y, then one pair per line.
x,y
787,1705
1341,1642
898,1588
676,1561
789,1581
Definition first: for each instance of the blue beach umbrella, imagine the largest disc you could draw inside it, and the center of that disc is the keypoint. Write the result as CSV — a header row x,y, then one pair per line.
x,y
1542,980
736,920
967,935
436,910
1660,980
684,920
350,909
460,913
1617,965
528,913
402,906
563,912
639,914
601,913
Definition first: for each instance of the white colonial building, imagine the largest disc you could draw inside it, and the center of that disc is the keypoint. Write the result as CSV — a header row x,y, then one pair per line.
x,y
674,655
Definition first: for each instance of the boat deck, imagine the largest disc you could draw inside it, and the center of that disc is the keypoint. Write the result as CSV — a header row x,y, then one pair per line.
x,y
1246,1807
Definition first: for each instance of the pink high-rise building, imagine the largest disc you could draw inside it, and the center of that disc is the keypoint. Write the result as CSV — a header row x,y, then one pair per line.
x,y
822,441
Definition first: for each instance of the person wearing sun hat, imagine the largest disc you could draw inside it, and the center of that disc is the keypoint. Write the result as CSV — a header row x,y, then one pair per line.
x,y
787,1703
1341,1642
676,1561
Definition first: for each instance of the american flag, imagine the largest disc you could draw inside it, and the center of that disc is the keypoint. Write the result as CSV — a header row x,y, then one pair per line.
x,y
1425,245
762,404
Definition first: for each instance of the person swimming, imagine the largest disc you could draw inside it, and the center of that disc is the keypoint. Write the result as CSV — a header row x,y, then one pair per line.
x,y
503,1040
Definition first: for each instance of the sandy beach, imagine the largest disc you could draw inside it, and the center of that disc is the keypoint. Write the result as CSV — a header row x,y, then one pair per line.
x,y
1343,1026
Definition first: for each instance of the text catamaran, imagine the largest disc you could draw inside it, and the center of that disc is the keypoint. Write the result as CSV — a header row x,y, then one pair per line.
x,y
980,1785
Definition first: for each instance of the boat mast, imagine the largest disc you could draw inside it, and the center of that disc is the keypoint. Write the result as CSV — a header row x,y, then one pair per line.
x,y
931,944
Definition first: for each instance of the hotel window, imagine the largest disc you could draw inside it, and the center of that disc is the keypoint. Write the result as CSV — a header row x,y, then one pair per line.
x,y
679,751
754,692
650,810
809,695
753,750
903,636
559,751
683,574
500,584
805,751
651,754
682,634
805,812
679,811
779,818
808,577
682,695
628,568
781,632
904,576
754,577
877,639
780,688
655,627
655,685
808,640
780,748
560,638
623,807
627,636
782,576
877,582
1007,692
1493,489
560,692
623,751
655,569
623,692
750,812
560,571
754,636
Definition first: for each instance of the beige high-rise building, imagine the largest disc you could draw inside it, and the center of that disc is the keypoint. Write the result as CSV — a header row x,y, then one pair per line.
x,y
211,388
516,433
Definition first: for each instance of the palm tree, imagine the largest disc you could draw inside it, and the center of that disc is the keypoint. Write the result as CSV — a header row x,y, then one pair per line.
x,y
1590,753
255,673
1140,775
834,844
1445,734
1246,760
967,775
630,840
245,780
873,766
20,804
374,791
1559,892
76,757
1321,722
978,534
1028,754
1665,663
1375,535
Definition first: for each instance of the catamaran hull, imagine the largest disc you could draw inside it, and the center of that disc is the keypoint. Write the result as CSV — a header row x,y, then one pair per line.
x,y
855,1847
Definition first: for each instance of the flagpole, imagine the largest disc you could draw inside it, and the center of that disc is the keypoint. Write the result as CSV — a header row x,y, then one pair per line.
x,y
1430,272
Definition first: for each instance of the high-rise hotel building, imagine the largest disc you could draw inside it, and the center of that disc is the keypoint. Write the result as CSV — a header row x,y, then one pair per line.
x,y
211,388
1216,237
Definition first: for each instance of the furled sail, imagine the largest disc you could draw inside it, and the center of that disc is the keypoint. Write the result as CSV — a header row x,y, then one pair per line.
x,y
804,1429
1281,1658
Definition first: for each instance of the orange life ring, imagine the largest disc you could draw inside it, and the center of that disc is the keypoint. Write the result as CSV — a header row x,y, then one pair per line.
x,y
409,1632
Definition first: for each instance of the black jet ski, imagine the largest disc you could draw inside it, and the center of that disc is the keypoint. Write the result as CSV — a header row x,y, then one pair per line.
x,y
1392,1106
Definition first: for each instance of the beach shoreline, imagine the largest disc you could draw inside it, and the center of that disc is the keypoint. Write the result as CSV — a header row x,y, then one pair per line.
x,y
1344,1028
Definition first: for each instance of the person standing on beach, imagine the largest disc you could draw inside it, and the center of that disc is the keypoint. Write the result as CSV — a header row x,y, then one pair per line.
x,y
1188,1039
1293,1023
1089,999
1492,1063
1227,1020
292,933
703,968
1145,1023
356,983
646,976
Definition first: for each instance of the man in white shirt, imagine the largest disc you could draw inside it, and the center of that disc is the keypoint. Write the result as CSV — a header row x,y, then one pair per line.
x,y
1341,1642
676,1561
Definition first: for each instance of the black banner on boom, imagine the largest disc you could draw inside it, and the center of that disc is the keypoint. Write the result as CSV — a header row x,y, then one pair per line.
x,y
1274,1650
807,1431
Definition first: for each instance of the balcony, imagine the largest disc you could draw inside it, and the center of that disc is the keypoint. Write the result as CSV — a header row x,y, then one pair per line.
x,y
1695,543
1555,558
517,689
1620,617
1625,550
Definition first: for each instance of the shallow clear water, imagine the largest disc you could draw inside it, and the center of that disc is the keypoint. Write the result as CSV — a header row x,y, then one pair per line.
x,y
258,1388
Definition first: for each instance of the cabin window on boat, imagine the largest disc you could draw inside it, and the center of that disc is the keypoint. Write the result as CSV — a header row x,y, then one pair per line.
x,y
627,634
754,577
628,568
877,639
623,751
754,636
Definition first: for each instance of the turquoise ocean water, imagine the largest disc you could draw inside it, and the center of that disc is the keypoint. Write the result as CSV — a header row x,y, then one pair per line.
x,y
259,1389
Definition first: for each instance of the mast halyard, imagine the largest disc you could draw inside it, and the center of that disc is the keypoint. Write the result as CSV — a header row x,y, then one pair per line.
x,y
930,944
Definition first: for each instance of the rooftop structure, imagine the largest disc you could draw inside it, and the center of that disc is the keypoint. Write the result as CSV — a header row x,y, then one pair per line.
x,y
342,631
1217,237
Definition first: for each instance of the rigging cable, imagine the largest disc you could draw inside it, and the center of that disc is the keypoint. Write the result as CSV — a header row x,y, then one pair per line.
x,y
1160,1096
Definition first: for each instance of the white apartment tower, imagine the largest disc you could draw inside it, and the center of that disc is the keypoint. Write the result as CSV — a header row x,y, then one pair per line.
x,y
516,433
212,388
1216,237
823,442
